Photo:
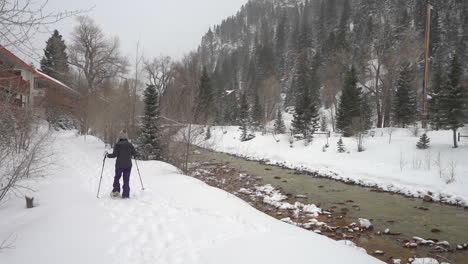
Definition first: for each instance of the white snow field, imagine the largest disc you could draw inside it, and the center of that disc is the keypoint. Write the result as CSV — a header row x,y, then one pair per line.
x,y
397,166
177,219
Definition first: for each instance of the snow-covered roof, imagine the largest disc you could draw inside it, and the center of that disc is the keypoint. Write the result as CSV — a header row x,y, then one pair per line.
x,y
55,81
41,75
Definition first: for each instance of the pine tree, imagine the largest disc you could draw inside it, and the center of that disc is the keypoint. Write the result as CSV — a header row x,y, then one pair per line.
x,y
423,142
279,126
454,100
314,118
280,41
208,133
150,140
341,146
302,115
436,115
231,113
257,114
323,124
343,27
55,60
204,110
244,119
404,105
305,32
366,113
350,106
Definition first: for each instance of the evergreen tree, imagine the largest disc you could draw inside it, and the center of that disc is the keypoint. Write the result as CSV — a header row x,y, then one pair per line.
x,y
150,140
208,133
244,119
55,60
280,46
279,126
366,113
436,115
343,27
305,32
231,113
350,106
404,104
257,114
264,65
323,124
454,100
314,118
423,142
204,110
341,146
305,118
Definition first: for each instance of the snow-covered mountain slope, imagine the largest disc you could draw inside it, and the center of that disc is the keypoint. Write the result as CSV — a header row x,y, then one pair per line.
x,y
390,164
177,219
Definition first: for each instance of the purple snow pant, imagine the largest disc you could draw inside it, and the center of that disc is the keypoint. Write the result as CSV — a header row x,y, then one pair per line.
x,y
126,181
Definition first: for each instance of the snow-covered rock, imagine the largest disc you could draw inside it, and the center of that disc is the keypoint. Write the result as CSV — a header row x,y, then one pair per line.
x,y
365,223
425,261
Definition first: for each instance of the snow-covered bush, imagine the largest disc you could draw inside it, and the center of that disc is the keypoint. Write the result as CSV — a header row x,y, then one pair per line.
x,y
423,142
341,146
23,148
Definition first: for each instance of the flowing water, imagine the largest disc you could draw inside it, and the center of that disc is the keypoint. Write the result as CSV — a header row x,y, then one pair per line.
x,y
408,216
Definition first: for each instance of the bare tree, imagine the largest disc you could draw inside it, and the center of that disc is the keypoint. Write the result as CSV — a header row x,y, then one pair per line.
x,y
98,58
332,77
178,101
358,128
269,93
135,85
160,73
23,148
21,20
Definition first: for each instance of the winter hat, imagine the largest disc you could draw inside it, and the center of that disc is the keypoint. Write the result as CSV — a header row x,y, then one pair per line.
x,y
123,135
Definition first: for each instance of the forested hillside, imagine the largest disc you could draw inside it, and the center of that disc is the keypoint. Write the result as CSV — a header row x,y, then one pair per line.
x,y
276,47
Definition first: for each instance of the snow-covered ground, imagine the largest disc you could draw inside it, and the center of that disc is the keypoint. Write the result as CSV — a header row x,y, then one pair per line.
x,y
440,171
177,219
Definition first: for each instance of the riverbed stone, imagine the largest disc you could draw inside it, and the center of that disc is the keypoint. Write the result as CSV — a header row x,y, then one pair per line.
x,y
427,198
411,245
379,252
422,208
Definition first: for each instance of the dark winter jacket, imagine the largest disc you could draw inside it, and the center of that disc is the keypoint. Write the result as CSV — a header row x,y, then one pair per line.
x,y
123,151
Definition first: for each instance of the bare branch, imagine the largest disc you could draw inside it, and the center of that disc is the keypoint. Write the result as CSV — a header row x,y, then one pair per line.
x,y
8,242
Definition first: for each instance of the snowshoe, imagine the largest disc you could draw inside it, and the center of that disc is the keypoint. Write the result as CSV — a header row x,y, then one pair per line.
x,y
115,195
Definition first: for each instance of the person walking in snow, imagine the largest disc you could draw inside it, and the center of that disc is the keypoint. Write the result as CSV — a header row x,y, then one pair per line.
x,y
123,151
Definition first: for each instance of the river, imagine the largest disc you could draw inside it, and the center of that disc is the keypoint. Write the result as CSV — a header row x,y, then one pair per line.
x,y
404,217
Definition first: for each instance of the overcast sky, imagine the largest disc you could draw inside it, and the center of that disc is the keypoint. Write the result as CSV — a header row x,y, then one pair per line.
x,y
169,27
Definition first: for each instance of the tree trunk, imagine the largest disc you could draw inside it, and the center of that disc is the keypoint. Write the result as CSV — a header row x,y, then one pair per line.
x,y
332,118
378,103
29,202
455,143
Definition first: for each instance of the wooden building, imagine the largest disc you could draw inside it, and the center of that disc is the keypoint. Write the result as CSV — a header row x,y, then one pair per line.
x,y
26,87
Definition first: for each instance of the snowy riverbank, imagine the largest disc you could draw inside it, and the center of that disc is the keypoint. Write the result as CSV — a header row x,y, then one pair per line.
x,y
440,172
178,219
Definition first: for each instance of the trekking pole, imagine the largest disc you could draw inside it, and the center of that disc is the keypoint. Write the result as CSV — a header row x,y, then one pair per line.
x,y
138,169
102,171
